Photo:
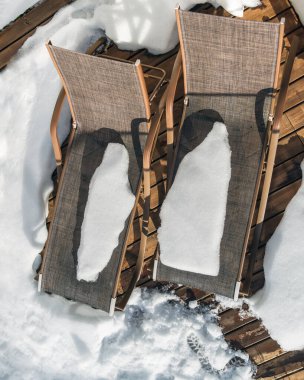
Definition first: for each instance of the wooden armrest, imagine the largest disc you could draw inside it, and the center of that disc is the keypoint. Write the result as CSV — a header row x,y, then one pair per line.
x,y
54,125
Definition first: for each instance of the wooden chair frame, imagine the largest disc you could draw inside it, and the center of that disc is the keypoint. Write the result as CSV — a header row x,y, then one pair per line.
x,y
273,127
153,124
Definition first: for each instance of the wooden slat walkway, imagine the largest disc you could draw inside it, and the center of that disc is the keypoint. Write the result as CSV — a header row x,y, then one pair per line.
x,y
246,333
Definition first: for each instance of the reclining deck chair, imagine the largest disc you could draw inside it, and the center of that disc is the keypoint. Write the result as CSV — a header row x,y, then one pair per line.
x,y
230,70
109,103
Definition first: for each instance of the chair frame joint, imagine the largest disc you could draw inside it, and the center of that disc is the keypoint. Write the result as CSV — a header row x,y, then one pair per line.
x,y
237,291
155,269
112,307
39,282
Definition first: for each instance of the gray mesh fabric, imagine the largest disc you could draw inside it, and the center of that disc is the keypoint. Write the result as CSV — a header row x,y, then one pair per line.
x,y
230,68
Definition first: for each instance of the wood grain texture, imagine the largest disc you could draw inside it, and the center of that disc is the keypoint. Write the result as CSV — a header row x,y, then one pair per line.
x,y
16,33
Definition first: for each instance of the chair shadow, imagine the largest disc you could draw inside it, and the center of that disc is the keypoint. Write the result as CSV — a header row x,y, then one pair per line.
x,y
284,151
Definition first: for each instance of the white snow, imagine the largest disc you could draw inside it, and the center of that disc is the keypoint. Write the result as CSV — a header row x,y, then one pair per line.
x,y
47,337
138,23
152,24
160,338
110,202
193,213
299,7
280,303
11,9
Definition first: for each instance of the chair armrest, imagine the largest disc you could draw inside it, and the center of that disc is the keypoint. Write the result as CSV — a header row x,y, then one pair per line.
x,y
150,143
176,72
53,130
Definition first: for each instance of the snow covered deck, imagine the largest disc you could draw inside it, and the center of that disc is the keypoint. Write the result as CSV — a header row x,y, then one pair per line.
x,y
246,333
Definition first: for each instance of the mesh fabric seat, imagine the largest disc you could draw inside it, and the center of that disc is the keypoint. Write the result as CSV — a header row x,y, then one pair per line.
x,y
230,69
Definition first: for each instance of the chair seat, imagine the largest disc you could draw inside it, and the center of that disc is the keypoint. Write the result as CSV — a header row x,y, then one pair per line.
x,y
86,154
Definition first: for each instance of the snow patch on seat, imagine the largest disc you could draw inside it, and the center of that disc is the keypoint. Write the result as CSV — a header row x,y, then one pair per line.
x,y
193,214
110,202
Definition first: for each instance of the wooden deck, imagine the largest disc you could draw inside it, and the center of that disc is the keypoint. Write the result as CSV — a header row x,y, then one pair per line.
x,y
245,333
13,36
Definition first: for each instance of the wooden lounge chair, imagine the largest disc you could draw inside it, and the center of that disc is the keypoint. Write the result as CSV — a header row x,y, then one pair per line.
x,y
230,68
109,103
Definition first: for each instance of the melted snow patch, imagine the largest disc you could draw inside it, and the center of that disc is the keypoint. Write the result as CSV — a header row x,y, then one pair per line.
x,y
193,213
282,295
110,202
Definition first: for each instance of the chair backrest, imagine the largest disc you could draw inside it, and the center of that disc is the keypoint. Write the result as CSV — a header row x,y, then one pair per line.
x,y
230,64
106,94
230,69
102,92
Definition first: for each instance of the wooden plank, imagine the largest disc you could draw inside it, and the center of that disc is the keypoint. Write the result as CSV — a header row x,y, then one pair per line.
x,y
247,335
291,20
281,365
296,115
285,126
153,224
288,147
127,273
231,320
258,283
269,227
297,375
113,51
10,51
297,70
300,133
30,21
264,351
133,250
278,201
295,94
286,173
190,294
259,262
288,40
